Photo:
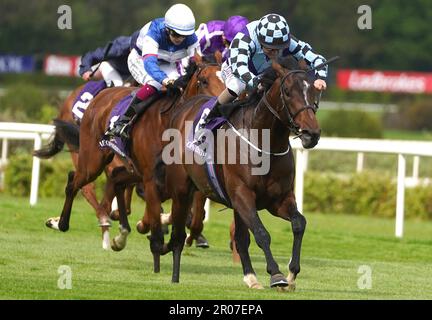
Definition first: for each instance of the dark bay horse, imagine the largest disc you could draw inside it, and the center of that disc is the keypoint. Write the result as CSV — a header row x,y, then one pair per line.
x,y
286,107
146,145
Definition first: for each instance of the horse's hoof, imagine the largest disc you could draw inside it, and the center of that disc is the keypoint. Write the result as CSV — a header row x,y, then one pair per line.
x,y
141,228
278,280
114,246
52,223
201,242
114,215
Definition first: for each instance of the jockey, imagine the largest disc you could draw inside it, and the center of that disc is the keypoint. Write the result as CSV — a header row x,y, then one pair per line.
x,y
251,52
114,70
155,58
216,35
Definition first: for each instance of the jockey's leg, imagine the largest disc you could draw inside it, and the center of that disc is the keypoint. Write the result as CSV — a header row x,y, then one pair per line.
x,y
234,87
110,75
121,126
218,110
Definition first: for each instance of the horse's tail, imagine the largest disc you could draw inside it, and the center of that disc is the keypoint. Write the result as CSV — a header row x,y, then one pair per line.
x,y
55,145
68,132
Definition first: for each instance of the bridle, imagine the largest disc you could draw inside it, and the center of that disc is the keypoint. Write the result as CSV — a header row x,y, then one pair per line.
x,y
291,125
200,67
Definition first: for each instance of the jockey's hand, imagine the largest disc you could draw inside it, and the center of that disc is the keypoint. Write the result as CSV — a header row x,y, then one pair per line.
x,y
87,75
320,84
168,82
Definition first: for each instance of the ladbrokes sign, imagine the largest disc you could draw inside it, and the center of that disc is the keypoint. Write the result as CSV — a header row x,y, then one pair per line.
x,y
385,81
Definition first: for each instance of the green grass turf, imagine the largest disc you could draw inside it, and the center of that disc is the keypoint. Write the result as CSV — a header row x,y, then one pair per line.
x,y
334,248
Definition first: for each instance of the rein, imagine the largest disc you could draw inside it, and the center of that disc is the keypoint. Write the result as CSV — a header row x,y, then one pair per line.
x,y
200,68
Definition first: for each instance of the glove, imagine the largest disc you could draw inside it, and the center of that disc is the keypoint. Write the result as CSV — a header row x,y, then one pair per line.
x,y
172,87
167,82
257,85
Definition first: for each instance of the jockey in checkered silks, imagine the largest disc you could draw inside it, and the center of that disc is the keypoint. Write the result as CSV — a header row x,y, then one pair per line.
x,y
250,54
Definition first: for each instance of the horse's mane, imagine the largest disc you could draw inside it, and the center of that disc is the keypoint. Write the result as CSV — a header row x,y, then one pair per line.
x,y
268,77
184,80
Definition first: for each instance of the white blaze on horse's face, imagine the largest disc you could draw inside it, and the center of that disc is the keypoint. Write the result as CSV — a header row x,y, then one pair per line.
x,y
305,90
219,75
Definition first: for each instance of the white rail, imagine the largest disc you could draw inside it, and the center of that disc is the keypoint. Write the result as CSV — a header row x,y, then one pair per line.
x,y
25,131
402,148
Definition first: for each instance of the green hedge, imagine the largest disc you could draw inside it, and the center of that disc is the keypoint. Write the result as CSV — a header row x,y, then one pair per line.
x,y
366,193
351,123
53,176
25,102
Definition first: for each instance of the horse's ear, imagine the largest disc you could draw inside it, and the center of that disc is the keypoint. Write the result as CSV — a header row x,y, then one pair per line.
x,y
218,57
278,68
197,57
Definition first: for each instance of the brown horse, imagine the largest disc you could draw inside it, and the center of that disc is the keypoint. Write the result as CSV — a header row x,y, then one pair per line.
x,y
145,146
88,191
286,107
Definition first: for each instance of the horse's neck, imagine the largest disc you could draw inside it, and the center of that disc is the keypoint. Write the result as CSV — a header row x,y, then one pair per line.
x,y
262,118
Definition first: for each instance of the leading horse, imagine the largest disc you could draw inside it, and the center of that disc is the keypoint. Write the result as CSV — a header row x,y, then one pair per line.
x,y
286,107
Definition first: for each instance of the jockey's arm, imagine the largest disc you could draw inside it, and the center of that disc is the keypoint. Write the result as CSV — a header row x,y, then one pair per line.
x,y
302,50
238,57
150,60
89,59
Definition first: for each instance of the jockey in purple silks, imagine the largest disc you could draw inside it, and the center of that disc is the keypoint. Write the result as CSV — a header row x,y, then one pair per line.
x,y
216,35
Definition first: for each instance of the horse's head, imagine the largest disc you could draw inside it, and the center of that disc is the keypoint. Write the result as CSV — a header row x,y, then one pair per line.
x,y
297,97
206,78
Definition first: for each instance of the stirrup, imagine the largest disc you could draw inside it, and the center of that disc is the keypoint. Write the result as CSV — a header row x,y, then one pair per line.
x,y
119,131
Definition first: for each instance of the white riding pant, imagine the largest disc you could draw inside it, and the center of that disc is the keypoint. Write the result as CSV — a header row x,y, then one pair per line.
x,y
109,74
231,81
137,70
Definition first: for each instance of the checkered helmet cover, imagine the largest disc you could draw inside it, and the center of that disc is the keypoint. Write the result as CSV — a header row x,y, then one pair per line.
x,y
273,31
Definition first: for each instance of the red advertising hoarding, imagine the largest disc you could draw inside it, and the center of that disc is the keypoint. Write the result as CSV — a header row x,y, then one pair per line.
x,y
385,81
62,65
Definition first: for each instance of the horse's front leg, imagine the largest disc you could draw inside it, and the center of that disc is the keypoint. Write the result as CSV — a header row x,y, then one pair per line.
x,y
120,179
288,211
243,201
242,242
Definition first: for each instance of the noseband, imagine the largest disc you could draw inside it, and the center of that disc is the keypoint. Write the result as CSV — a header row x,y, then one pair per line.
x,y
291,125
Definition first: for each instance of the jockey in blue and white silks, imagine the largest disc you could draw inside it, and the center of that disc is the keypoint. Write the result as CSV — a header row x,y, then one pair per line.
x,y
156,56
251,53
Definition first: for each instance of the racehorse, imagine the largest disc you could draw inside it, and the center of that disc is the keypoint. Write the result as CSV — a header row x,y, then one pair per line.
x,y
88,191
145,145
286,107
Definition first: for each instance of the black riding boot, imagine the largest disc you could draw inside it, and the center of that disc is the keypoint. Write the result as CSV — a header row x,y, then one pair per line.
x,y
122,125
214,113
